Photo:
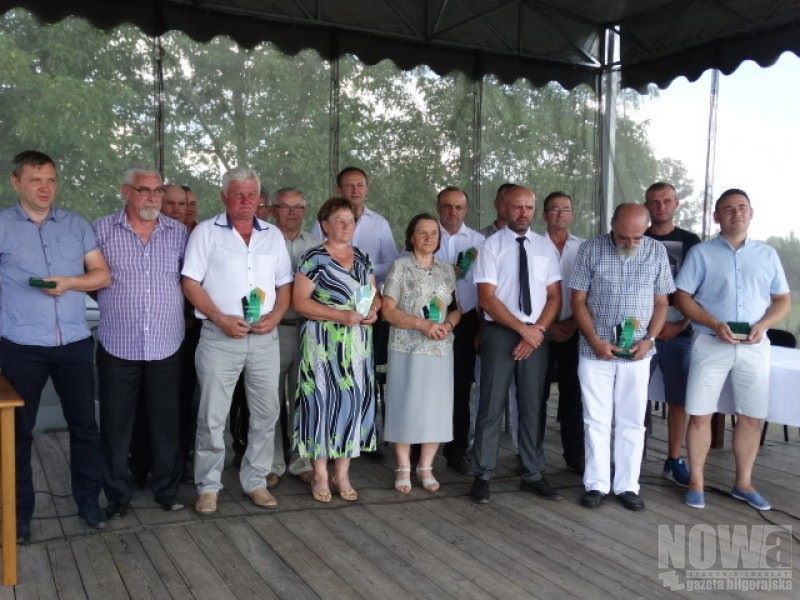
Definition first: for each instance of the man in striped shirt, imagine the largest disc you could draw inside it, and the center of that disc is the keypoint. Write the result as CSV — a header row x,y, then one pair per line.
x,y
140,334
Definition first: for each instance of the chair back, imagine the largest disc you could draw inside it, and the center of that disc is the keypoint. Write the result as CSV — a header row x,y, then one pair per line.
x,y
781,337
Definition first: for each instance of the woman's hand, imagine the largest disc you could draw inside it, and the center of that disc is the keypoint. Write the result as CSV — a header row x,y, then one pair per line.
x,y
434,331
350,318
371,317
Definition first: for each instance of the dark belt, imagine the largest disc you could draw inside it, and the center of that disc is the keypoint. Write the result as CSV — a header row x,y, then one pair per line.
x,y
292,322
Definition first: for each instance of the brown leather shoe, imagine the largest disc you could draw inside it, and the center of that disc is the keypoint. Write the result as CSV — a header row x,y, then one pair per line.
x,y
263,498
273,479
206,503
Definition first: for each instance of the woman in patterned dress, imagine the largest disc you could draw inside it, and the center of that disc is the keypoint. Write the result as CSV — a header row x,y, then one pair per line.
x,y
335,415
419,304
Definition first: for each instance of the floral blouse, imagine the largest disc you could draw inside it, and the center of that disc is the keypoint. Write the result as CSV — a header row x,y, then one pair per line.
x,y
420,291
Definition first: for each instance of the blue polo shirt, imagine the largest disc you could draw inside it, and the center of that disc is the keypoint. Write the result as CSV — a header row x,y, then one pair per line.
x,y
56,247
732,284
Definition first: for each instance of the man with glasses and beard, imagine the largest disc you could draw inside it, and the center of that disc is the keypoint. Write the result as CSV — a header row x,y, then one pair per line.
x,y
620,283
139,339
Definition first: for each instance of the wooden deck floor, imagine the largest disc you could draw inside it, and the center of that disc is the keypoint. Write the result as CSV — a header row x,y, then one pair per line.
x,y
387,546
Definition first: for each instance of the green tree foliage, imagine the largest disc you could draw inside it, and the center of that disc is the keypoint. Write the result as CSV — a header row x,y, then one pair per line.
x,y
87,97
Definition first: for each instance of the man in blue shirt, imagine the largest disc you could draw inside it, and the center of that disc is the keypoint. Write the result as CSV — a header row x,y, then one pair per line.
x,y
44,328
726,280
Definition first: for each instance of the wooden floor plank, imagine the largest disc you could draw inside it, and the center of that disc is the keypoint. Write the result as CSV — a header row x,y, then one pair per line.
x,y
453,549
196,570
303,559
65,571
35,575
422,559
279,576
360,573
167,572
395,568
99,574
140,577
232,566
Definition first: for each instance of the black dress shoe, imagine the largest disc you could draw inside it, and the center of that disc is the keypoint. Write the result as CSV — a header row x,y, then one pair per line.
x,y
169,504
117,509
480,491
23,532
631,501
541,488
592,499
92,515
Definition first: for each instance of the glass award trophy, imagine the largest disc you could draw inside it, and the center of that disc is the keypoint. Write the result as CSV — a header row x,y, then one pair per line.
x,y
363,299
434,311
464,261
624,336
739,329
251,305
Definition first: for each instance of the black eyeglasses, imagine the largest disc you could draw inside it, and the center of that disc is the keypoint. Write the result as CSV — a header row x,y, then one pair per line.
x,y
145,191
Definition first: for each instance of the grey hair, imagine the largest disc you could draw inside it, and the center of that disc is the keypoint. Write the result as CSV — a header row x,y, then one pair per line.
x,y
240,174
285,191
131,173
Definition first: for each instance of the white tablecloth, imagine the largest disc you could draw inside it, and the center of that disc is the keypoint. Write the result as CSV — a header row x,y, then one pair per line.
x,y
784,388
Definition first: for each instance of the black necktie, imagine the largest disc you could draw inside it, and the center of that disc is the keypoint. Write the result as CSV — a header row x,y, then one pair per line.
x,y
524,283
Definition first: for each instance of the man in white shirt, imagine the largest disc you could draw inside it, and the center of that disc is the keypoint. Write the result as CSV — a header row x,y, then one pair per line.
x,y
237,274
459,246
373,234
518,276
563,334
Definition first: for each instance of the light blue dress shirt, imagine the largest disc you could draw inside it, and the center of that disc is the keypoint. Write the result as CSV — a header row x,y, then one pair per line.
x,y
57,246
732,284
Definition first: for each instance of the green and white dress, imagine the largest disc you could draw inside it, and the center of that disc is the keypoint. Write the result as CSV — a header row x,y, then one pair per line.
x,y
335,414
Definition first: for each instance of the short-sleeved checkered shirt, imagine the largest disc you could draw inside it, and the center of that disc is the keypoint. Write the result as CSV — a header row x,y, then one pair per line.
x,y
618,287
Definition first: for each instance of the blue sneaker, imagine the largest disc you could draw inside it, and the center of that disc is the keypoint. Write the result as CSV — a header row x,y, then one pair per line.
x,y
753,498
676,470
92,515
695,498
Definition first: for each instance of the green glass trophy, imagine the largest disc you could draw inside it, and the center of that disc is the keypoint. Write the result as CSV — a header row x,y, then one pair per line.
x,y
464,261
363,299
739,329
434,311
251,305
624,336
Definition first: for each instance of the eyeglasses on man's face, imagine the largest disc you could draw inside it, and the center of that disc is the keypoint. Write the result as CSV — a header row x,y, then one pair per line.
x,y
290,208
557,210
145,191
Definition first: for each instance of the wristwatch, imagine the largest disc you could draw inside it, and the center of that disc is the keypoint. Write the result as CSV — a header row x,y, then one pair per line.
x,y
652,339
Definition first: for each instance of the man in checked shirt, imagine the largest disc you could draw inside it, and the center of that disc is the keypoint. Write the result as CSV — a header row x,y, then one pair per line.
x,y
139,339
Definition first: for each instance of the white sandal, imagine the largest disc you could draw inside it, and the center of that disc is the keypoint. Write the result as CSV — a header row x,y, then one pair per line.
x,y
429,484
402,485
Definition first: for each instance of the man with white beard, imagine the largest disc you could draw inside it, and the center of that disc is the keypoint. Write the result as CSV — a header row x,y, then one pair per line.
x,y
620,283
139,338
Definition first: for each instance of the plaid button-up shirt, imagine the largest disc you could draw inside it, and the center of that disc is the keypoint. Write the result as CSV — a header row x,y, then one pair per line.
x,y
141,312
618,287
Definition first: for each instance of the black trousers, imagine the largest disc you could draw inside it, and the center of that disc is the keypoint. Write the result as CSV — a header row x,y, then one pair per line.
x,y
563,367
123,385
463,376
70,367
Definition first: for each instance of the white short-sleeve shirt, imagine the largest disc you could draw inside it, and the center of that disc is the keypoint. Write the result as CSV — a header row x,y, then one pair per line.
x,y
566,260
228,269
449,249
498,264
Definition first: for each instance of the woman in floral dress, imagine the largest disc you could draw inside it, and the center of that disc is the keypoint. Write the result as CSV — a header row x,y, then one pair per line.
x,y
335,416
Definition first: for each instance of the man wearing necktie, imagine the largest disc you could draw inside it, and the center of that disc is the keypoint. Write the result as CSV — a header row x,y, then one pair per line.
x,y
518,276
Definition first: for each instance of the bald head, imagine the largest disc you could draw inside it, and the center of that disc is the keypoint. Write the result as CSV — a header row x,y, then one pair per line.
x,y
628,225
520,203
174,203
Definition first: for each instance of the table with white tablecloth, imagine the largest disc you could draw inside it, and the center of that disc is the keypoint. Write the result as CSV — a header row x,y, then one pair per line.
x,y
784,388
